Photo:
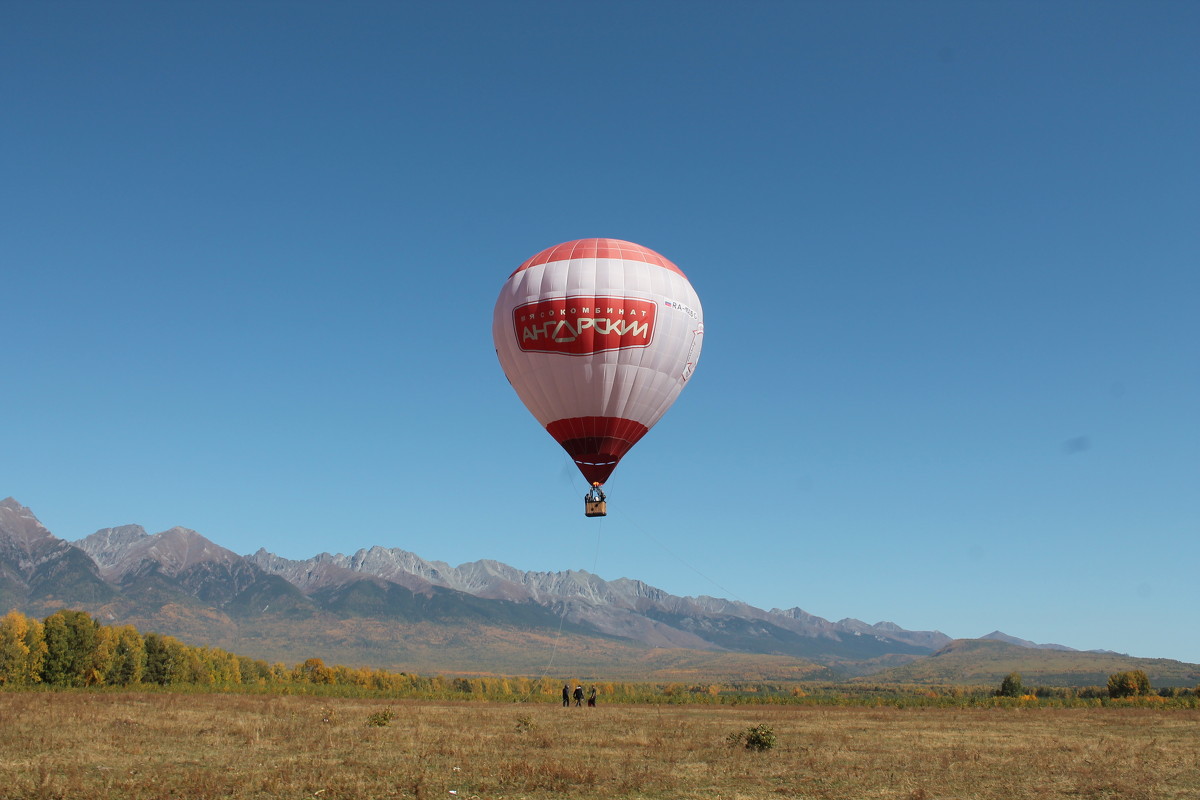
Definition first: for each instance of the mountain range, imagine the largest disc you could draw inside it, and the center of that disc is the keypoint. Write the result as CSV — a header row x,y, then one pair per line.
x,y
388,607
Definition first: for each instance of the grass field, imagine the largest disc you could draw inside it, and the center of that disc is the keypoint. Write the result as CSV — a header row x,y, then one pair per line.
x,y
101,745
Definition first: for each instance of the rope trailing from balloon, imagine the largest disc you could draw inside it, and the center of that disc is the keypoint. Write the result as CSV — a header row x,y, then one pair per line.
x,y
563,616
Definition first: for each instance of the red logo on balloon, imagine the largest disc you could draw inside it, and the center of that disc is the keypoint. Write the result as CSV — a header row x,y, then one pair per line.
x,y
578,326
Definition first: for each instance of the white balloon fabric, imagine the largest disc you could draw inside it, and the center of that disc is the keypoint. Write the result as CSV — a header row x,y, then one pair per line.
x,y
598,337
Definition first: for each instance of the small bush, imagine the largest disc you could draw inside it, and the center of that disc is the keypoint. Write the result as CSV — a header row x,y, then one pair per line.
x,y
381,719
525,724
756,738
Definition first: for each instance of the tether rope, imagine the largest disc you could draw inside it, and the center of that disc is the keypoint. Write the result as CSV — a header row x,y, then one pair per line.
x,y
563,615
632,524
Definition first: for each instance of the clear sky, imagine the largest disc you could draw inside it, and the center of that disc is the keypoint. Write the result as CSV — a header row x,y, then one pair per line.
x,y
949,255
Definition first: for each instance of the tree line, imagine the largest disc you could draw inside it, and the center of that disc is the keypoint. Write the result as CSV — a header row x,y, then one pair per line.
x,y
71,649
1126,684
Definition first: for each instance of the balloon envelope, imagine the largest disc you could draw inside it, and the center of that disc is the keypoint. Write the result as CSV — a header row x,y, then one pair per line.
x,y
598,337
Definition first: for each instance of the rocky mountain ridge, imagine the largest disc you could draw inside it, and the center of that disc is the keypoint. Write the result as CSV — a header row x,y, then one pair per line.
x,y
388,604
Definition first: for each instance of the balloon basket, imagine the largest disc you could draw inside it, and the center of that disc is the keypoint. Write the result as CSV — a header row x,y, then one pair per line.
x,y
595,508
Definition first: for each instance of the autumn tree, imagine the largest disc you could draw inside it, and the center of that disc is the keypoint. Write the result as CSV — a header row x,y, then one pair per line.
x,y
253,671
71,639
193,667
1132,683
126,663
22,649
223,666
313,670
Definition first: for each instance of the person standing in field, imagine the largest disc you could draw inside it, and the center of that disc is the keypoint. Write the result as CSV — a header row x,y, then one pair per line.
x,y
592,698
566,696
578,696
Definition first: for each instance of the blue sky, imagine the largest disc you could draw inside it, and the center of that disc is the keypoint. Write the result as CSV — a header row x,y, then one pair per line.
x,y
948,254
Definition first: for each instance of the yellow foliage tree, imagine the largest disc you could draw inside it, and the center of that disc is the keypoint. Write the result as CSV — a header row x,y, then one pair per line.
x,y
22,649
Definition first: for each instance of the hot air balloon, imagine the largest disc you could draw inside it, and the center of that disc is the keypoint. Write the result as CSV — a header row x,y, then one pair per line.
x,y
598,337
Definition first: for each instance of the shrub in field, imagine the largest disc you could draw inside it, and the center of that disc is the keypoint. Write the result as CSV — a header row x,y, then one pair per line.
x,y
756,737
381,719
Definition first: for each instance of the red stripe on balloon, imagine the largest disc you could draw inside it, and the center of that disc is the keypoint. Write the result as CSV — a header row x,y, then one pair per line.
x,y
598,248
596,444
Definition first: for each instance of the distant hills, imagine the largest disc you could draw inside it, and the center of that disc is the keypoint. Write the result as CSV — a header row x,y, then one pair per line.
x,y
980,661
386,607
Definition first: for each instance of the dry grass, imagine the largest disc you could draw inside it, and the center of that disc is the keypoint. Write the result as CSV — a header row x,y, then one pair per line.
x,y
82,745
